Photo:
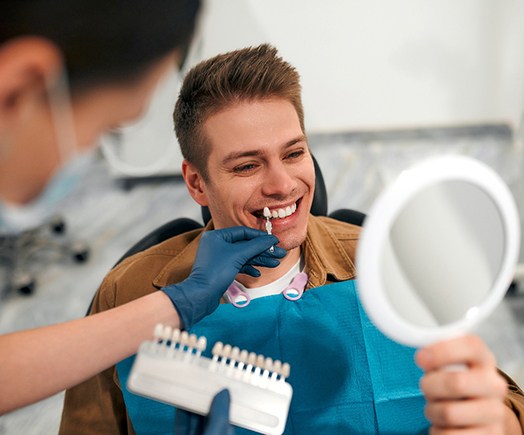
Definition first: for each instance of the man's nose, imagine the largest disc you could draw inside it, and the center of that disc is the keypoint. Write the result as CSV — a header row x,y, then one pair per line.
x,y
279,181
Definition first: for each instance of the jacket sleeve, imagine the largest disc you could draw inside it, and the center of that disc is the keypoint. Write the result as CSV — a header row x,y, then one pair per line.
x,y
514,399
96,406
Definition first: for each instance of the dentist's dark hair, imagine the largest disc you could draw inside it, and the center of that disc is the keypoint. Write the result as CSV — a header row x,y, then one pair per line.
x,y
103,41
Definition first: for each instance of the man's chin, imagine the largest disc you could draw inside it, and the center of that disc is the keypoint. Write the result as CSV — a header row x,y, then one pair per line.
x,y
290,243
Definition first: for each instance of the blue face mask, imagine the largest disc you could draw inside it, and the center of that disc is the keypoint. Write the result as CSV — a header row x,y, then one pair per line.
x,y
17,218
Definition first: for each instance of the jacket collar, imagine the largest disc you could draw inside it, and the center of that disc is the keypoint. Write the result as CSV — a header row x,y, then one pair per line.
x,y
179,267
325,257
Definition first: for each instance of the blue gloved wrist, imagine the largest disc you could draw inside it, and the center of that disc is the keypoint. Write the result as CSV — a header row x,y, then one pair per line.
x,y
221,255
189,306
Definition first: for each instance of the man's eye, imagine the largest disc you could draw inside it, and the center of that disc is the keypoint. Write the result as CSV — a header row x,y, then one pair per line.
x,y
244,168
295,154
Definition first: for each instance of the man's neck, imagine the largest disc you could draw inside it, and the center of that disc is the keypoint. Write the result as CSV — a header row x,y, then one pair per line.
x,y
268,274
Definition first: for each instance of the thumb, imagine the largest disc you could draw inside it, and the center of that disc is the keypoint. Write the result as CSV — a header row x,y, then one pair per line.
x,y
218,420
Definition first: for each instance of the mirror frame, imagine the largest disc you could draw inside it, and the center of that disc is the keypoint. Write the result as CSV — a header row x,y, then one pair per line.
x,y
382,216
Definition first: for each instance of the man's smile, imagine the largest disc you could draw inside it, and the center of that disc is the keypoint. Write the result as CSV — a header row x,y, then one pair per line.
x,y
278,211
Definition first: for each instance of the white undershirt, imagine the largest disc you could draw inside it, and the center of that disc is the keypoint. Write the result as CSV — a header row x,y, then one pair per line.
x,y
273,288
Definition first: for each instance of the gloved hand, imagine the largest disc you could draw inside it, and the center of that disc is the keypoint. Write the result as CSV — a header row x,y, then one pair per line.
x,y
216,423
222,254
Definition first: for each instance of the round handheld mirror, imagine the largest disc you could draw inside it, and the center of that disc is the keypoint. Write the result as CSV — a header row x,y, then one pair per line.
x,y
438,250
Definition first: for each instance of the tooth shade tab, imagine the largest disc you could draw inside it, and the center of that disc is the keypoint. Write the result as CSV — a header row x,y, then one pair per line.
x,y
267,213
269,226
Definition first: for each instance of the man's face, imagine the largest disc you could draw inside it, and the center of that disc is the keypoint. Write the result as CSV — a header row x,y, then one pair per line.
x,y
259,158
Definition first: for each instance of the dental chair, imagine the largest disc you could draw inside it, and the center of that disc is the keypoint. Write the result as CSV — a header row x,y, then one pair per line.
x,y
319,207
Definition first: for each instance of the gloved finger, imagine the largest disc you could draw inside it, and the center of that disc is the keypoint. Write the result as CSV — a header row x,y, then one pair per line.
x,y
250,270
218,420
251,248
236,234
264,261
277,253
188,423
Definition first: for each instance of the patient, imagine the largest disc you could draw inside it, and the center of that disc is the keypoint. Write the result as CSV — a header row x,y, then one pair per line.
x,y
240,123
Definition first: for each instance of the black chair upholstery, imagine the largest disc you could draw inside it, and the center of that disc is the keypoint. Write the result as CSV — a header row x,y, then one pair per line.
x,y
350,216
170,229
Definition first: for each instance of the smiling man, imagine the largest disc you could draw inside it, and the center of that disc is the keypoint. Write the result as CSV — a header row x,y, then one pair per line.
x,y
240,123
258,158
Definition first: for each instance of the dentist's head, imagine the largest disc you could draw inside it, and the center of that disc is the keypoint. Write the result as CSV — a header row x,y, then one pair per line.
x,y
70,70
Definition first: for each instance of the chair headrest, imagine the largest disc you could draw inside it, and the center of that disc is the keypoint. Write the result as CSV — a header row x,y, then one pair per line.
x,y
319,206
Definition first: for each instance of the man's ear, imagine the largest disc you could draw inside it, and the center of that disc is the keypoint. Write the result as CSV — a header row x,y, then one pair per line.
x,y
26,64
195,183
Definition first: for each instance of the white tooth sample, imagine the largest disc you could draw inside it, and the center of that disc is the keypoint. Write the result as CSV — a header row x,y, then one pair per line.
x,y
288,211
267,213
274,214
281,213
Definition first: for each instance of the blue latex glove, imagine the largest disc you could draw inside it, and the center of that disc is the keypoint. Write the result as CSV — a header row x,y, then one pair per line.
x,y
216,423
222,254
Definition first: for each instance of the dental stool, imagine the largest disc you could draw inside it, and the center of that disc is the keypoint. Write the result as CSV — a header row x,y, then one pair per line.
x,y
23,254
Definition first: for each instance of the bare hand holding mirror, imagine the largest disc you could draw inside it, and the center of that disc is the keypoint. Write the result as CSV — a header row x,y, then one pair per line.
x,y
436,256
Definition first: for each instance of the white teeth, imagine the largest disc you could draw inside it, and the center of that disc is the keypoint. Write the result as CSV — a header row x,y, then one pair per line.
x,y
280,212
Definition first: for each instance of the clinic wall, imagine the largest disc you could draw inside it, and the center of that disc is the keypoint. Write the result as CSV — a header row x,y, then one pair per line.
x,y
399,64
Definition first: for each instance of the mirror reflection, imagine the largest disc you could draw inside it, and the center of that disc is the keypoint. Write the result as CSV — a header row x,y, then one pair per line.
x,y
443,253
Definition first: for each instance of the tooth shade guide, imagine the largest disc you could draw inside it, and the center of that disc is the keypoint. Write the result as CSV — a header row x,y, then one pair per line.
x,y
285,371
201,345
254,380
175,337
159,328
269,226
277,367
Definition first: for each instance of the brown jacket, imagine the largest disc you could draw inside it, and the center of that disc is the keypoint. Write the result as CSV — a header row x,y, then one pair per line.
x,y
97,406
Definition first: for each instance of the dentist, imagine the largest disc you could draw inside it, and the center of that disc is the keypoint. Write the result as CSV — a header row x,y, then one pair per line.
x,y
68,72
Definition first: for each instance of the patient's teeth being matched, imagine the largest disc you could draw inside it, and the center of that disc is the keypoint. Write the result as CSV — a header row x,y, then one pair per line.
x,y
280,212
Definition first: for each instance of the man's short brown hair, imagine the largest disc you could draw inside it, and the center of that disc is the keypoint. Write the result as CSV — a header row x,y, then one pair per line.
x,y
249,74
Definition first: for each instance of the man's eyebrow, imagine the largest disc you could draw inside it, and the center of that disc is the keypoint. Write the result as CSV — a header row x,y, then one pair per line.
x,y
256,152
240,154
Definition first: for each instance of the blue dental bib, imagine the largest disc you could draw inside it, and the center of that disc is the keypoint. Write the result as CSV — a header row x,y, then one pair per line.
x,y
347,377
